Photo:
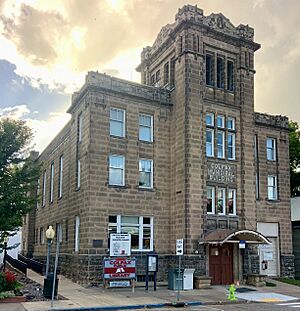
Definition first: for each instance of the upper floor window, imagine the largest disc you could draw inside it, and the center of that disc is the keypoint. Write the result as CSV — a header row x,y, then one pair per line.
x,y
77,233
78,174
152,79
44,188
51,182
210,200
230,76
231,201
210,119
221,204
220,144
231,146
157,75
79,128
146,173
116,170
37,192
172,73
117,122
146,127
220,73
209,142
166,73
220,121
60,176
42,236
271,149
272,187
209,69
231,123
139,227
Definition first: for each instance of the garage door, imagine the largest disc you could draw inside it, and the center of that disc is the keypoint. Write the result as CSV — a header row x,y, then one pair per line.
x,y
268,255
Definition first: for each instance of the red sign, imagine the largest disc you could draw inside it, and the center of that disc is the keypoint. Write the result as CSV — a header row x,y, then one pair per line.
x,y
119,268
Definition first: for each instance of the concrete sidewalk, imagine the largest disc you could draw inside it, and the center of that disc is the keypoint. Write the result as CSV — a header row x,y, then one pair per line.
x,y
80,297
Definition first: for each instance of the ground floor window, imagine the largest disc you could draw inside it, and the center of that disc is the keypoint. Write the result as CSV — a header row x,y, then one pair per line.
x,y
139,227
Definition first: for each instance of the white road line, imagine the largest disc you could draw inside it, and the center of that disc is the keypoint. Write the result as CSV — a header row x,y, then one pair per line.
x,y
288,303
295,306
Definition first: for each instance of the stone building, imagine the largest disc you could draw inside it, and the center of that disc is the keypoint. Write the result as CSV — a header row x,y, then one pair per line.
x,y
181,155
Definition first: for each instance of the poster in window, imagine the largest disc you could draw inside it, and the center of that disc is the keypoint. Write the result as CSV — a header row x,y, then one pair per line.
x,y
120,245
268,255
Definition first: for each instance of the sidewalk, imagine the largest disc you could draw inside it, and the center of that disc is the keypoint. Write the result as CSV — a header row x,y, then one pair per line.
x,y
80,297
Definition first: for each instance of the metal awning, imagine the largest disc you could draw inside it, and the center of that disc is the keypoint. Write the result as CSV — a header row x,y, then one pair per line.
x,y
229,236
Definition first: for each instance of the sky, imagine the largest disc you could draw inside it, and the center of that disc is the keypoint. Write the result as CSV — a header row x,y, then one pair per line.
x,y
48,46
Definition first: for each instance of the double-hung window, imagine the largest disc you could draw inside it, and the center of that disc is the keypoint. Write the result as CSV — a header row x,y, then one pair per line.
x,y
271,149
272,187
78,174
60,176
79,128
117,122
220,144
230,76
139,227
209,142
231,146
146,173
220,73
210,200
146,127
231,201
44,188
116,170
209,69
221,204
51,182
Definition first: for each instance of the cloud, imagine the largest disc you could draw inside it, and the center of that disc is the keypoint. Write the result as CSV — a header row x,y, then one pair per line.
x,y
16,112
43,130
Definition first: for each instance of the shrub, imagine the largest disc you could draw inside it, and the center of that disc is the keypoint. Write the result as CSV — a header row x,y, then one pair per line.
x,y
2,282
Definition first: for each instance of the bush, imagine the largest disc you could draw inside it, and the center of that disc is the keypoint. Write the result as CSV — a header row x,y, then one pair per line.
x,y
8,282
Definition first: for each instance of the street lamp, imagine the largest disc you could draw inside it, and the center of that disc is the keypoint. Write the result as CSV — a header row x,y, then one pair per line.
x,y
5,241
50,233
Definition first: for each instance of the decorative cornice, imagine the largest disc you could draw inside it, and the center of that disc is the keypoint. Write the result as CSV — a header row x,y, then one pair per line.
x,y
270,120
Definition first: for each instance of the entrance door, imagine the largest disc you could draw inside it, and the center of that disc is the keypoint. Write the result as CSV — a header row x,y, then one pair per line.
x,y
221,264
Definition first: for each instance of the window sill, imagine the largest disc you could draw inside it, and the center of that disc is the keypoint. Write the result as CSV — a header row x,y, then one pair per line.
x,y
146,189
77,189
118,186
118,137
148,142
273,201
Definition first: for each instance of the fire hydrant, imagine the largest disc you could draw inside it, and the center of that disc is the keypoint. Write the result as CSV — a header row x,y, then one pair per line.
x,y
231,295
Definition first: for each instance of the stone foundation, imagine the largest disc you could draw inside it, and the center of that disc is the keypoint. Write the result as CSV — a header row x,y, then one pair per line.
x,y
251,260
87,269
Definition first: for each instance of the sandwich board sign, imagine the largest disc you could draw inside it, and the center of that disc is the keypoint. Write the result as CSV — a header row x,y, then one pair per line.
x,y
179,247
120,245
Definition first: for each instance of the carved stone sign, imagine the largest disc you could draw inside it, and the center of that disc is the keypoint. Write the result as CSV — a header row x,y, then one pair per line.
x,y
218,172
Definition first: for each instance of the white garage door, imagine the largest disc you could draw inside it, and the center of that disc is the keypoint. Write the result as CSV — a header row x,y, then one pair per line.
x,y
269,255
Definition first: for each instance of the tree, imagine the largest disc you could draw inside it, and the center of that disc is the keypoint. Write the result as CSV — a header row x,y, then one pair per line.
x,y
18,174
294,146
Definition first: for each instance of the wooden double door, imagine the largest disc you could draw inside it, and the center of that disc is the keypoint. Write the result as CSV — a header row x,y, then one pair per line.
x,y
221,264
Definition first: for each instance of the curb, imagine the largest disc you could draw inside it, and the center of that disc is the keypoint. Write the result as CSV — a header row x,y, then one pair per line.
x,y
178,304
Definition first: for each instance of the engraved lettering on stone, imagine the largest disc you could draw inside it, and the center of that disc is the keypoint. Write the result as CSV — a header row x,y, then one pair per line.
x,y
221,172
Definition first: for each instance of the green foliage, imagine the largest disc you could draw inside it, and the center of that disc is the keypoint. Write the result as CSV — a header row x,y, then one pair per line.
x,y
290,281
8,282
4,295
18,174
294,148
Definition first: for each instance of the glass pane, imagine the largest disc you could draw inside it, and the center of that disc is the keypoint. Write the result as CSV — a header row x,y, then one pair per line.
x,y
116,128
115,176
145,133
145,179
116,161
130,220
209,136
209,119
146,238
145,120
112,219
146,220
145,165
220,121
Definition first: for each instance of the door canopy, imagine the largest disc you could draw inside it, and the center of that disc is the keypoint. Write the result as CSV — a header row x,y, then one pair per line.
x,y
227,236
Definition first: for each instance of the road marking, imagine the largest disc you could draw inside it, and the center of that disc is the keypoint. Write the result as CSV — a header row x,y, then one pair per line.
x,y
288,303
270,300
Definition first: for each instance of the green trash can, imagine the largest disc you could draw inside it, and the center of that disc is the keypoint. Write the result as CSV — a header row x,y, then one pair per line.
x,y
48,286
175,281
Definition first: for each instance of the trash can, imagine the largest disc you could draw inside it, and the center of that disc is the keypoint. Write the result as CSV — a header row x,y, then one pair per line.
x,y
175,281
188,277
48,286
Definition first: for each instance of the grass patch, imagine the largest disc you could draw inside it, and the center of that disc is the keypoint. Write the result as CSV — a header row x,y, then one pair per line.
x,y
270,284
289,281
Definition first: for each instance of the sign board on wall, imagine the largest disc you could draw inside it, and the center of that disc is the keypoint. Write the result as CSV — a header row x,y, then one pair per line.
x,y
119,268
220,172
120,245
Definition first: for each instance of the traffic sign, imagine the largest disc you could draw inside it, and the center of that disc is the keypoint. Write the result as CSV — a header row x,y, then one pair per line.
x,y
179,247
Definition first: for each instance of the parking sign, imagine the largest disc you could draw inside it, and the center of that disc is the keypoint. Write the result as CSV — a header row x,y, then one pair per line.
x,y
179,247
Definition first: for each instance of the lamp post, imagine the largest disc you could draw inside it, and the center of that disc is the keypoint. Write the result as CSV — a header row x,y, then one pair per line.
x,y
50,233
5,241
